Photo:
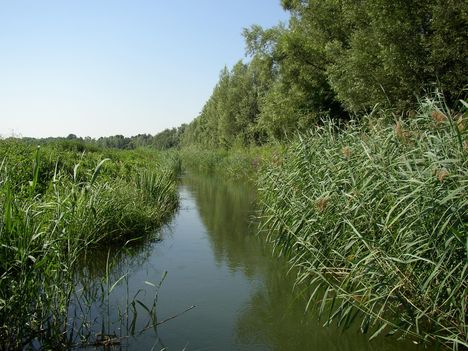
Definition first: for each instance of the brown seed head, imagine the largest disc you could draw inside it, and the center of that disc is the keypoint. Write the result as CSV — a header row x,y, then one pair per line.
x,y
346,151
398,129
461,124
400,132
322,203
441,173
438,117
411,113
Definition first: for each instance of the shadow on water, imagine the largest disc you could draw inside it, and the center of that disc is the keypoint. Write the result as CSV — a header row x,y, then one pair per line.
x,y
274,317
244,296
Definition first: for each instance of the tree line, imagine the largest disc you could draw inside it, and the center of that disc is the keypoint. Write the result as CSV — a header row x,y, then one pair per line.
x,y
335,59
167,139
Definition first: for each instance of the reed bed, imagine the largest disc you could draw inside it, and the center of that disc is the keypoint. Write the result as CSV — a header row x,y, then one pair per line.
x,y
235,164
375,218
54,207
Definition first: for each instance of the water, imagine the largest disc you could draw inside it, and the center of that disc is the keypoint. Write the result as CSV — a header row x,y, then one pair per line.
x,y
243,296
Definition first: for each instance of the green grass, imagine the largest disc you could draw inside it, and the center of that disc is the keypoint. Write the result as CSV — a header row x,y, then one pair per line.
x,y
235,164
55,204
375,217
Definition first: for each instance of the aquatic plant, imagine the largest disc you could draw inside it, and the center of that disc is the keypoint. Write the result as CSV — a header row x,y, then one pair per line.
x,y
235,164
375,218
49,219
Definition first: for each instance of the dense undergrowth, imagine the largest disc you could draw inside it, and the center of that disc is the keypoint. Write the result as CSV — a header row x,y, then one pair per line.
x,y
375,218
56,202
236,164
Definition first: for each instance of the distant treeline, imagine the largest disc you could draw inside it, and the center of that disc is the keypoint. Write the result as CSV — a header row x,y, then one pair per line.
x,y
334,59
167,139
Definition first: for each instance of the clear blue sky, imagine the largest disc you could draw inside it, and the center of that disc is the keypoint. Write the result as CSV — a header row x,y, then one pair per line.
x,y
104,67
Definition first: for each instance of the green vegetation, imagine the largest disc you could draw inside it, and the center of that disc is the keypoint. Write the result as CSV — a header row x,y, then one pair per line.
x,y
372,210
167,139
375,217
333,60
55,204
237,164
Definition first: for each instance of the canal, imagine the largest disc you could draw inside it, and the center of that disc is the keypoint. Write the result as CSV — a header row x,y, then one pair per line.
x,y
210,282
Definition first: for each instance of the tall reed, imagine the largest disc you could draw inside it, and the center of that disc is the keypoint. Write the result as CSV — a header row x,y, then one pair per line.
x,y
375,217
50,219
235,164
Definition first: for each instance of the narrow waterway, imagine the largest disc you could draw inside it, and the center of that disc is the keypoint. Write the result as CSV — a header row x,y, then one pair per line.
x,y
243,296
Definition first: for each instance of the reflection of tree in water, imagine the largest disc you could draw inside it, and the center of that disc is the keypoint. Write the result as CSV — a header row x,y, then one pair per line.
x,y
275,314
226,210
93,264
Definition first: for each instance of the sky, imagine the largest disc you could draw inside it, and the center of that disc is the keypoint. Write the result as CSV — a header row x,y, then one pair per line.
x,y
106,67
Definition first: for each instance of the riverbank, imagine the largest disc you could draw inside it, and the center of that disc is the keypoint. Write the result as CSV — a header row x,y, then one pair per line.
x,y
373,215
376,214
57,202
241,164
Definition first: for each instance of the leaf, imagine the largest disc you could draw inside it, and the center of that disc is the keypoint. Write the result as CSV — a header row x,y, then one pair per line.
x,y
98,169
117,282
379,331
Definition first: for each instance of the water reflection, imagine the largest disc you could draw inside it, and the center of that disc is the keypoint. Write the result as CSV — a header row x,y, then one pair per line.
x,y
227,211
274,316
215,261
103,307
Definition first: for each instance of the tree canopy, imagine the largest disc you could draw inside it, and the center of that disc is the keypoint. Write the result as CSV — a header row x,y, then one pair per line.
x,y
335,58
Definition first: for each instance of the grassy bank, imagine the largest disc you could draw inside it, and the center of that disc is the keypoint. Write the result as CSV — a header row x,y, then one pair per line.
x,y
236,163
375,217
57,202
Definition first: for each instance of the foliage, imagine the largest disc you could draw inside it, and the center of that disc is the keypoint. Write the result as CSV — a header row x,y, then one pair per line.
x,y
55,205
395,52
335,59
375,216
228,117
236,164
167,139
